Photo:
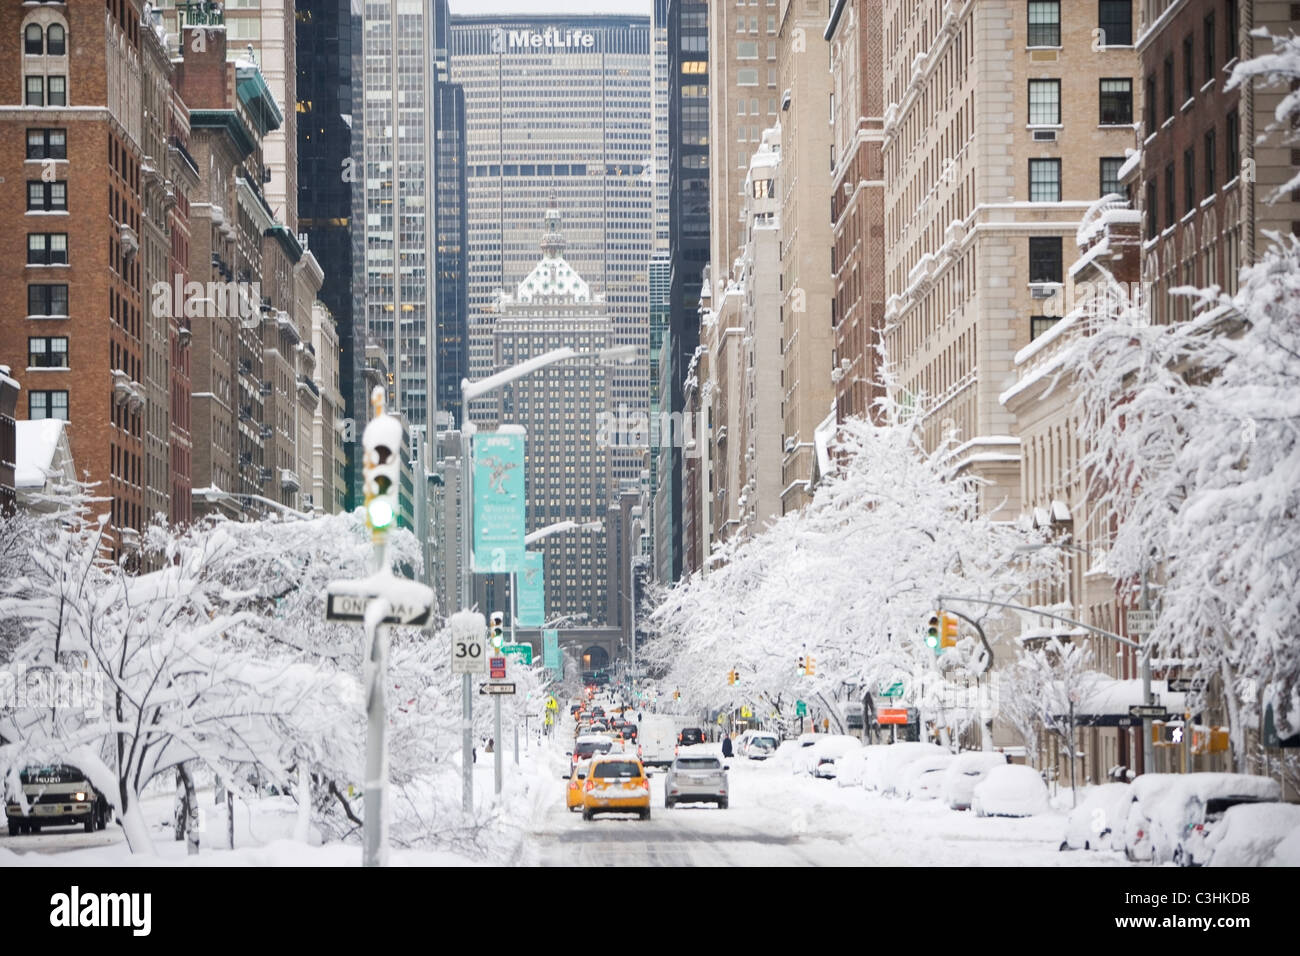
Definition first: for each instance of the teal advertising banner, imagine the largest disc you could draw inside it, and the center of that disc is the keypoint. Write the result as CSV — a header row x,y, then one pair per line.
x,y
499,500
551,652
531,603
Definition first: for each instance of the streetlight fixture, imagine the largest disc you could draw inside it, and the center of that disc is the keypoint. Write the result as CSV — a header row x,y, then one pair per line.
x,y
212,494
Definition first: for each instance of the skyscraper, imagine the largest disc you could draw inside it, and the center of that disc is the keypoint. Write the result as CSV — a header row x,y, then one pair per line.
x,y
559,103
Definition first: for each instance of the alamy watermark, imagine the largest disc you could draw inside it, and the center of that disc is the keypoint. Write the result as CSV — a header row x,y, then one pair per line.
x,y
44,687
191,300
637,429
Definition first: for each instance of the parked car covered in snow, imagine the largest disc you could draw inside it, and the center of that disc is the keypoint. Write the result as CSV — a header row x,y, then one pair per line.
x,y
1254,834
885,772
819,759
1144,793
851,769
964,773
1097,823
757,744
1012,790
923,777
1191,809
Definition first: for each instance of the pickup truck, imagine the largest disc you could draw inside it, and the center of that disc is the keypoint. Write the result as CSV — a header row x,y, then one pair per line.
x,y
58,795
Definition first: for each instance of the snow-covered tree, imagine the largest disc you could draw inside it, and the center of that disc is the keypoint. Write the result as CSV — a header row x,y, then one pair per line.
x,y
1280,68
1194,438
851,580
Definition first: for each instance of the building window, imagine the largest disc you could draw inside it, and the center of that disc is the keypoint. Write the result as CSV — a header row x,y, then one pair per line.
x,y
1116,102
47,248
1044,102
1189,71
1209,48
47,405
57,90
1189,180
33,40
1151,104
747,50
1110,166
1230,27
48,197
47,300
1153,210
1044,180
47,352
47,144
1044,23
747,77
1169,87
1171,211
1233,134
1045,259
56,41
1038,324
762,189
1211,155
1115,17
35,91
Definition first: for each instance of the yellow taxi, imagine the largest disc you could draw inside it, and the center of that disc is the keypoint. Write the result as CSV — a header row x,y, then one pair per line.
x,y
616,783
573,792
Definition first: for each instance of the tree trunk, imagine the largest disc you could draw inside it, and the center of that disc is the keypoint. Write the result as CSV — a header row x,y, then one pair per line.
x,y
1236,726
230,819
191,811
181,811
302,828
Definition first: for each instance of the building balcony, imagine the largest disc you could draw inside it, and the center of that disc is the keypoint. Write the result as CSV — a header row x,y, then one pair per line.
x,y
289,479
129,240
308,388
284,321
121,387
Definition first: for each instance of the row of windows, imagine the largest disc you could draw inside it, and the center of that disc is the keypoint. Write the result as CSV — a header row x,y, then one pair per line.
x,y
1114,19
37,42
1115,98
1045,178
1209,66
47,91
1209,180
47,197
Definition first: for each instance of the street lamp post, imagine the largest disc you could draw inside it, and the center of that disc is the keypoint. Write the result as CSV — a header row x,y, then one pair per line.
x,y
213,494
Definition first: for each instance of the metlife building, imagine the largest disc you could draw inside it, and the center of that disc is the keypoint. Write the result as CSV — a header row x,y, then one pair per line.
x,y
560,105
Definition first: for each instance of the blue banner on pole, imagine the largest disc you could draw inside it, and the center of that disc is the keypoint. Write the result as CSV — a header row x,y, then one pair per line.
x,y
551,652
531,605
499,501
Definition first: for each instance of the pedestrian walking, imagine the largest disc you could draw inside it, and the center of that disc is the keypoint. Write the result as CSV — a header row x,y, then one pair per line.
x,y
489,748
726,745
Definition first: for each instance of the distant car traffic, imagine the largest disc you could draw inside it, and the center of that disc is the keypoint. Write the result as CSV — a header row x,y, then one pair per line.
x,y
573,792
588,746
690,736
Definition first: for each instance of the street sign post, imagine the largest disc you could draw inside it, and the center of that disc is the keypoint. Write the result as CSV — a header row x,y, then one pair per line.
x,y
891,715
468,654
497,668
522,651
892,690
1183,685
800,709
1141,622
349,606
496,690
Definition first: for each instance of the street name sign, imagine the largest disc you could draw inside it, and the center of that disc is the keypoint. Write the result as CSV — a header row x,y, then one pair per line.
x,y
1153,711
496,689
1141,622
800,709
523,651
893,690
1181,685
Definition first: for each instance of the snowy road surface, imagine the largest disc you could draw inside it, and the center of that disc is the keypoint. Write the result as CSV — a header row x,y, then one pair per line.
x,y
779,819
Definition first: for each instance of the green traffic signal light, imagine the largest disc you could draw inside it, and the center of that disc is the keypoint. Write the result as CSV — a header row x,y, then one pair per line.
x,y
932,633
379,511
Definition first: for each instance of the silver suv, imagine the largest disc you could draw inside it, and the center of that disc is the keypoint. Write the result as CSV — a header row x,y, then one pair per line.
x,y
696,779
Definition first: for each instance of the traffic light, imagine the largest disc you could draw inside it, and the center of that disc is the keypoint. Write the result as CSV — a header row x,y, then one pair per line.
x,y
948,638
802,668
812,665
498,626
932,637
731,677
381,440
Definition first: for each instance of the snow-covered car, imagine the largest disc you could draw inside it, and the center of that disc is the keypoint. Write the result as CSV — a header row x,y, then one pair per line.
x,y
1191,809
852,767
819,759
801,752
1097,823
757,744
1255,834
1012,790
964,773
1145,792
884,773
923,777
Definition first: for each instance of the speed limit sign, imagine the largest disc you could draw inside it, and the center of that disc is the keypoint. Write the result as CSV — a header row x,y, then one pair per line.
x,y
468,646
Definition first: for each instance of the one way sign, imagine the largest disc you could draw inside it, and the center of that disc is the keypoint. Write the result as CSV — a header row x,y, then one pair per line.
x,y
352,607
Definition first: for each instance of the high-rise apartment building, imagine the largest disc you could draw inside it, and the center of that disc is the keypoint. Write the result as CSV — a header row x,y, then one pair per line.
x,y
807,159
857,202
688,255
94,154
328,110
659,124
743,101
1005,121
559,103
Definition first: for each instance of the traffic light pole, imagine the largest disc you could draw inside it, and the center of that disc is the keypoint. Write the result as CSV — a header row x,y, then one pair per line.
x,y
375,851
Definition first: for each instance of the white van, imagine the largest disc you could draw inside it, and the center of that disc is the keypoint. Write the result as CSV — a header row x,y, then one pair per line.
x,y
657,735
